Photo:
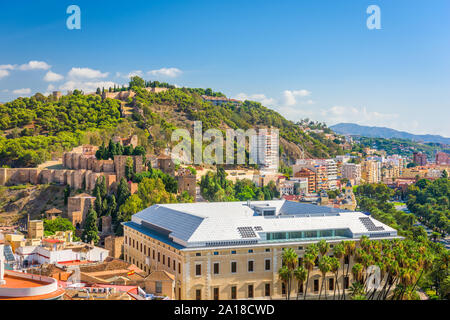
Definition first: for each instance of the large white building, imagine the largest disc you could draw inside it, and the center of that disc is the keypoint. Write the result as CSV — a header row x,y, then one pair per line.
x,y
265,148
232,250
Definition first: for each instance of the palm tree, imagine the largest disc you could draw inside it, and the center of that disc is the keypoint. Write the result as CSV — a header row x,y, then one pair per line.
x,y
308,261
349,251
339,253
323,247
300,274
357,271
324,267
334,267
285,276
289,260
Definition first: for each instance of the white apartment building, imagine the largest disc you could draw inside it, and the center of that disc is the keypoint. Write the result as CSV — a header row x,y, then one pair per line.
x,y
265,147
352,172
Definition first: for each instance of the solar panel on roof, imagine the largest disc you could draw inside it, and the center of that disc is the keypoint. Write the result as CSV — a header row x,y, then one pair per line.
x,y
368,223
246,232
258,228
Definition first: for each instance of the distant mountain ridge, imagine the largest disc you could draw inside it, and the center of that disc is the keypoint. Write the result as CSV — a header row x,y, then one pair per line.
x,y
387,133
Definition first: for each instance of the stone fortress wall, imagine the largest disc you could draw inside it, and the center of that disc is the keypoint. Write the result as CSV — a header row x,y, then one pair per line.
x,y
80,170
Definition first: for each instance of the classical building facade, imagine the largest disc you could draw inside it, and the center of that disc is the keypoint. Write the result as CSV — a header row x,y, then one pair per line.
x,y
232,250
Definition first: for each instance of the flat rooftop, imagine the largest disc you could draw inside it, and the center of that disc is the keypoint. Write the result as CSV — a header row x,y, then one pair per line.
x,y
239,223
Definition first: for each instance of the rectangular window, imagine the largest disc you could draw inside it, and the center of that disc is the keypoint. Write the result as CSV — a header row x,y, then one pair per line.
x,y
267,249
250,291
140,247
250,251
346,259
250,265
198,254
283,289
159,257
233,267
216,293
300,289
267,264
164,259
198,294
179,267
198,269
216,253
331,284
168,262
233,293
153,254
216,268
316,285
158,287
267,290
233,252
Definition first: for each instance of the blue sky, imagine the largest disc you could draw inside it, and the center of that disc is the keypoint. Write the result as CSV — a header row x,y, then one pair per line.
x,y
314,59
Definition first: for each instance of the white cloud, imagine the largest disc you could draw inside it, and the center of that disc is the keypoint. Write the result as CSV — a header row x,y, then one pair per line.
x,y
86,73
52,77
134,73
259,97
166,72
7,66
290,96
22,91
86,86
3,73
35,65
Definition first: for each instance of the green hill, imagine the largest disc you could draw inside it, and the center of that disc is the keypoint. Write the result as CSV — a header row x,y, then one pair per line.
x,y
37,128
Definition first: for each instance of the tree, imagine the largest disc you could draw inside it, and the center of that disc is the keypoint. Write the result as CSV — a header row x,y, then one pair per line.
x,y
286,273
324,267
66,194
136,81
300,274
123,192
90,232
129,169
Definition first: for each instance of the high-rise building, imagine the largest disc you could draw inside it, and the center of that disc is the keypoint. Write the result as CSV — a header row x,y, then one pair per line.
x,y
264,146
442,158
352,172
420,158
371,171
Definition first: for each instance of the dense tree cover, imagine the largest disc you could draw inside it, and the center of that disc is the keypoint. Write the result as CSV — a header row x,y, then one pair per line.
x,y
429,200
215,187
154,186
403,264
116,148
248,115
31,151
374,199
402,147
58,224
50,125
170,183
69,113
